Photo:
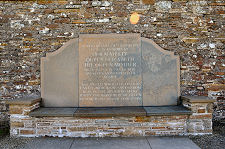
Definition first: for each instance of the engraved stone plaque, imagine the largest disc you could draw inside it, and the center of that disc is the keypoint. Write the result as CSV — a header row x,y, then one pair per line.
x,y
110,70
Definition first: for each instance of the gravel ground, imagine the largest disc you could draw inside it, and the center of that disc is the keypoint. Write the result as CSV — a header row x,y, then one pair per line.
x,y
214,141
13,143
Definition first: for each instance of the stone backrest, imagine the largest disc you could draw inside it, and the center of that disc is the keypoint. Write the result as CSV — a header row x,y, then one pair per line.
x,y
110,70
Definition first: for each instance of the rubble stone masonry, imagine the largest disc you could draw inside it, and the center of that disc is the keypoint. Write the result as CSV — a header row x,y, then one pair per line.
x,y
193,29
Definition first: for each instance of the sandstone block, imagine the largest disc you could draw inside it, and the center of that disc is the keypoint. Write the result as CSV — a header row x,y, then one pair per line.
x,y
26,132
16,124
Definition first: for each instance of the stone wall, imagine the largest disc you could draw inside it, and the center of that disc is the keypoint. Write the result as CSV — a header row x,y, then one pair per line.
x,y
192,29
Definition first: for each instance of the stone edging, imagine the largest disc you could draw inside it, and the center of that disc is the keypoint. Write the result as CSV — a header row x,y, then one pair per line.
x,y
24,101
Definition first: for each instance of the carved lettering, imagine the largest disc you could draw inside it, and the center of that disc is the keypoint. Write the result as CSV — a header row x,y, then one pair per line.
x,y
109,72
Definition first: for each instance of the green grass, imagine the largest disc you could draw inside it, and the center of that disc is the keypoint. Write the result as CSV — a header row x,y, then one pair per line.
x,y
4,131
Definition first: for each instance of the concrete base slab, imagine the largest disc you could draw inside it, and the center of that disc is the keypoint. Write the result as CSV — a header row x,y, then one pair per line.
x,y
112,143
49,143
171,143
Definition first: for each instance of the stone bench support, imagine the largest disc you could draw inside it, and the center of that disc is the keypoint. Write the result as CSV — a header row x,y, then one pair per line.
x,y
21,124
200,122
27,119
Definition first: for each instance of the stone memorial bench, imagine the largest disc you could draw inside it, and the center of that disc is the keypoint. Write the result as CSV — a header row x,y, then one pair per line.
x,y
100,111
110,111
124,86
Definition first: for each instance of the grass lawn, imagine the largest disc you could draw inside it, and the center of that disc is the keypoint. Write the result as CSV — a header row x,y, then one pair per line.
x,y
4,131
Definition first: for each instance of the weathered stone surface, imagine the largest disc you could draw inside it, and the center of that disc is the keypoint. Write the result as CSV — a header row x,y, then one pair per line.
x,y
161,75
14,109
167,110
197,99
110,111
16,124
151,2
125,121
202,60
110,71
27,132
59,76
171,143
116,72
24,101
199,21
56,112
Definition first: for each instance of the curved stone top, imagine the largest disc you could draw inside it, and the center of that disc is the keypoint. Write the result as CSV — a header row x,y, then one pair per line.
x,y
59,76
161,75
109,70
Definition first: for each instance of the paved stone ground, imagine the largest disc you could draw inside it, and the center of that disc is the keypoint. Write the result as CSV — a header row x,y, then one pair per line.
x,y
99,143
214,141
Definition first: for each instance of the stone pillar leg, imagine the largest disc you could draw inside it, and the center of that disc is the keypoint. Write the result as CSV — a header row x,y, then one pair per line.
x,y
200,121
20,122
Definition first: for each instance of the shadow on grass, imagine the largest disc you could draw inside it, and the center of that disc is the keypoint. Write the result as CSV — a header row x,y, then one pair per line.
x,y
4,131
